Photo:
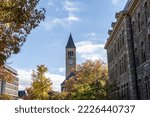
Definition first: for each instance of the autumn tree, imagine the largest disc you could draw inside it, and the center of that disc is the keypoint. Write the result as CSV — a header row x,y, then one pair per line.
x,y
5,97
90,81
54,95
41,85
17,19
5,75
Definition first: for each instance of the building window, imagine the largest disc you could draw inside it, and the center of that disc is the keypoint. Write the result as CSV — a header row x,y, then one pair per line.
x,y
118,45
123,69
116,71
140,89
139,22
122,37
127,91
115,49
125,63
145,11
143,53
147,87
133,25
120,67
70,53
136,57
149,41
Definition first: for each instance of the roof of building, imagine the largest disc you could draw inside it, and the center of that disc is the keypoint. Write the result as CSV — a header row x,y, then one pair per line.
x,y
70,43
127,5
10,69
68,77
22,93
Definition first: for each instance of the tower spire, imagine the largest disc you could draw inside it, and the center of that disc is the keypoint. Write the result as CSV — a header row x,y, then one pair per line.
x,y
70,43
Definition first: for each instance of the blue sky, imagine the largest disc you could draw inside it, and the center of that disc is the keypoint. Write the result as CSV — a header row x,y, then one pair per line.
x,y
87,20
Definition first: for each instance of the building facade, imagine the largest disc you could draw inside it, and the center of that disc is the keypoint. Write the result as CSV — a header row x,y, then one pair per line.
x,y
10,88
70,61
128,51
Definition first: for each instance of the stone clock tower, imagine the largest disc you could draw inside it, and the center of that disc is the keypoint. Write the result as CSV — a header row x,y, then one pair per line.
x,y
70,62
70,56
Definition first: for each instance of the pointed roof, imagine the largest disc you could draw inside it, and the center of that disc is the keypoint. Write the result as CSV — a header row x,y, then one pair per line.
x,y
68,77
70,43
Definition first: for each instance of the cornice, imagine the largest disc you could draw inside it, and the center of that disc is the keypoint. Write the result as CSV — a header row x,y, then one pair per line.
x,y
133,6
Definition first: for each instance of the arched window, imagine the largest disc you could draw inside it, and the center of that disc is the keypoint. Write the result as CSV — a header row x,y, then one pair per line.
x,y
145,11
70,53
139,22
143,53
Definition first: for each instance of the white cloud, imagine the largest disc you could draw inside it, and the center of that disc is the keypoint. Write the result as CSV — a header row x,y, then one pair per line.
x,y
69,8
57,79
25,79
88,47
62,22
51,23
72,18
96,37
90,50
50,3
115,2
61,69
93,34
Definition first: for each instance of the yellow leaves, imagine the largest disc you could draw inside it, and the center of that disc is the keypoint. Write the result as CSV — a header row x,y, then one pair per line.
x,y
91,70
5,97
90,81
5,75
41,85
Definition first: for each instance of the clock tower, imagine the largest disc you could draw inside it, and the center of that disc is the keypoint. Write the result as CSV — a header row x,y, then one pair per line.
x,y
70,56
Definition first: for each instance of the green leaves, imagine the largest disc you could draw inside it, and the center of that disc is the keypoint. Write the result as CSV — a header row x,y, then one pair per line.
x,y
17,19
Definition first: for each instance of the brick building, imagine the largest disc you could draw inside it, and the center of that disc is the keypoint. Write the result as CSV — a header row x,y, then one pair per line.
x,y
128,50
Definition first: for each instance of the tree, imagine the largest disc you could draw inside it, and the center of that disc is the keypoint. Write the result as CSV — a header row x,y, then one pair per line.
x,y
41,85
5,97
54,95
90,81
5,75
17,19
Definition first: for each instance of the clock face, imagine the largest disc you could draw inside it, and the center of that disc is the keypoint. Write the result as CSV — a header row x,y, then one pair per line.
x,y
70,61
